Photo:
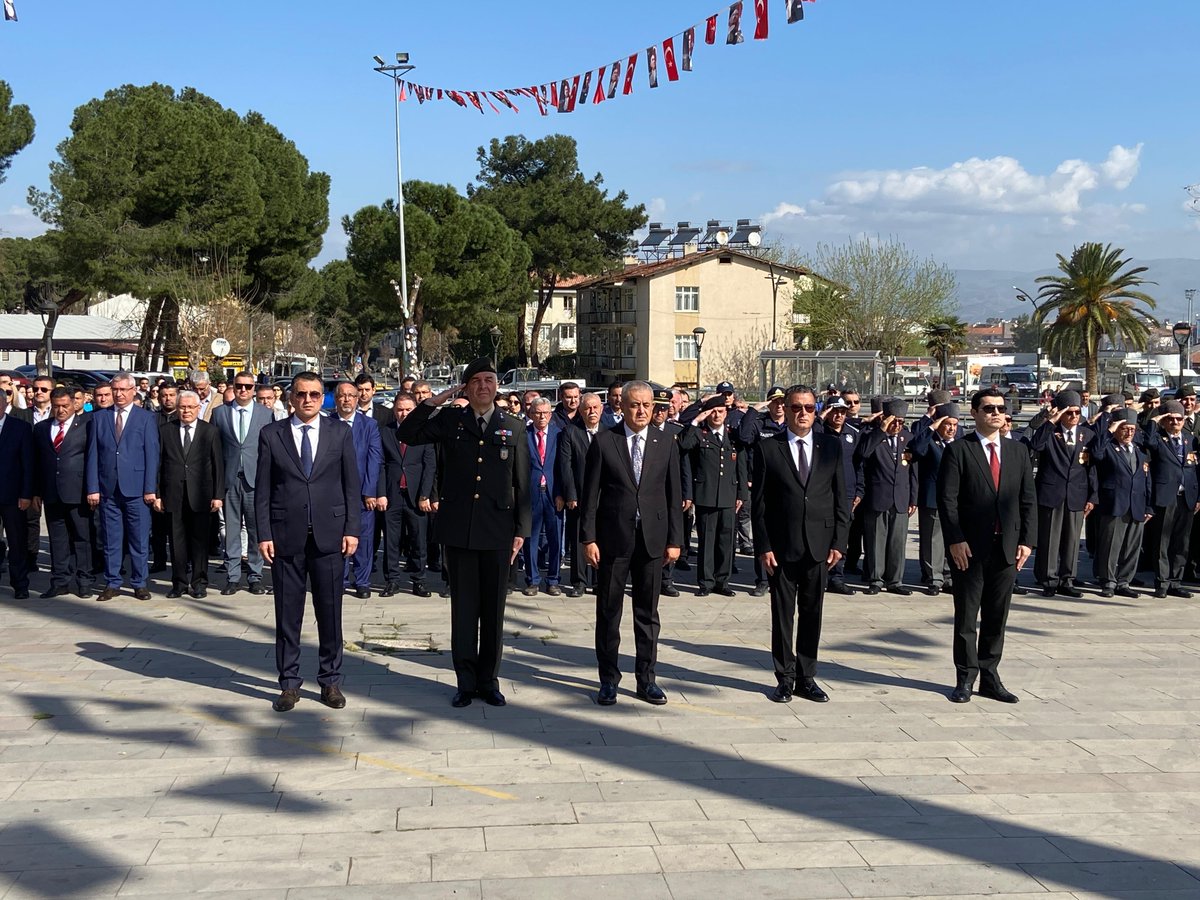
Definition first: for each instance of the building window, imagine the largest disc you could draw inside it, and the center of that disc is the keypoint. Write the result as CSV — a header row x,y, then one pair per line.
x,y
685,346
566,332
543,334
687,299
569,303
629,297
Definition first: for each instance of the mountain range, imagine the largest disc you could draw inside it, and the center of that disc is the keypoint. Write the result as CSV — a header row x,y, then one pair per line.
x,y
988,293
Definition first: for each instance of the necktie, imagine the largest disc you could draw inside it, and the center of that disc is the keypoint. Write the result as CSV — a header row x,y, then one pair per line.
x,y
1129,460
403,477
1179,449
120,426
306,456
241,425
995,466
1070,437
802,463
58,438
482,424
541,452
637,459
187,439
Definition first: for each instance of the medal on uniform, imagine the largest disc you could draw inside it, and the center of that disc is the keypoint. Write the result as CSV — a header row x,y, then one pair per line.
x,y
504,453
849,439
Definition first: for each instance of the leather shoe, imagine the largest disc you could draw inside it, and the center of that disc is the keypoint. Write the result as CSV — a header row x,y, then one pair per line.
x,y
554,590
108,593
607,695
1179,592
1049,591
1160,592
900,590
332,696
199,593
50,594
1068,590
760,590
1020,590
419,590
781,694
838,586
256,588
652,694
999,692
363,594
961,693
872,589
460,699
174,593
669,590
492,697
286,700
574,592
1106,593
141,594
390,589
703,593
932,590
231,588
530,590
21,595
1126,592
85,593
725,590
808,689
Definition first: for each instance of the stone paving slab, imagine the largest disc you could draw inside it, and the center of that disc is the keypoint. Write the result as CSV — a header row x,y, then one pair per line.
x,y
139,756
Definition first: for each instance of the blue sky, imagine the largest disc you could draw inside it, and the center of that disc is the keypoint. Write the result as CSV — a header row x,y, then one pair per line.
x,y
989,135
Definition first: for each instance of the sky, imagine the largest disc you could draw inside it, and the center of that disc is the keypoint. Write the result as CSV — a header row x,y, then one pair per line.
x,y
985,135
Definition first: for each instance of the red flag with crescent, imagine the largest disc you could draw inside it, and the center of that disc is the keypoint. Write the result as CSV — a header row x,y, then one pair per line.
x,y
710,30
630,65
503,98
669,59
598,97
760,20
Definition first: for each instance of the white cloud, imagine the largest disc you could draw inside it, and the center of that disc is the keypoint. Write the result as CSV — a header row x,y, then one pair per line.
x,y
781,211
19,221
656,207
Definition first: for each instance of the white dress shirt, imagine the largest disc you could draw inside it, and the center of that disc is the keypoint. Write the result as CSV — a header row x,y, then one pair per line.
x,y
183,431
987,454
313,435
794,442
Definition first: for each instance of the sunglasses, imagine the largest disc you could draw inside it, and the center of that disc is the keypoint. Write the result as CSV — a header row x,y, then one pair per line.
x,y
803,407
1172,418
307,395
42,390
242,386
991,409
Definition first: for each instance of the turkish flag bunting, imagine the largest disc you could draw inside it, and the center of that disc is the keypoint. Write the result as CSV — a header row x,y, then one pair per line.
x,y
710,30
630,65
503,98
474,98
537,98
403,93
734,35
484,95
587,85
457,98
669,59
795,11
760,20
689,44
554,95
573,94
598,97
614,79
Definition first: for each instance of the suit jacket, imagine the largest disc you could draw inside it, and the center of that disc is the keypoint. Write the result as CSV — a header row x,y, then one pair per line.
x,y
330,498
538,469
1120,489
798,522
193,481
969,505
717,470
24,413
483,475
608,419
16,451
612,500
1166,472
241,458
570,462
890,480
61,477
416,464
850,437
928,449
132,467
368,450
1063,474
675,430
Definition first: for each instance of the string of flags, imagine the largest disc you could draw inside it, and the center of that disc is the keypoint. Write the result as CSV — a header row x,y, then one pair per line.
x,y
564,94
10,11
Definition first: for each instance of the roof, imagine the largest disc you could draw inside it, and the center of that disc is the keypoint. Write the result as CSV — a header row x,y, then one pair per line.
x,y
658,267
23,331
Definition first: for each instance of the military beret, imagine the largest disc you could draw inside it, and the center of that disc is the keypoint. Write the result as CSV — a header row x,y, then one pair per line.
x,y
483,364
937,398
1151,394
897,408
947,411
1067,399
725,387
1112,400
776,392
1173,408
714,402
1127,416
877,404
1186,391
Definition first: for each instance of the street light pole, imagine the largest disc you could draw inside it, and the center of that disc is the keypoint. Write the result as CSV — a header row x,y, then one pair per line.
x,y
1182,332
698,336
401,67
494,332
1190,293
1024,296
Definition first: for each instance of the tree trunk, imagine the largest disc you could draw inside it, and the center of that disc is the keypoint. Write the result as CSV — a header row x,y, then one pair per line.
x,y
1092,367
545,298
416,306
149,328
522,347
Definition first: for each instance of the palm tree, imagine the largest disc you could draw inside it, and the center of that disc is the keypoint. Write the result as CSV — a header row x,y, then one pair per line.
x,y
945,336
1094,299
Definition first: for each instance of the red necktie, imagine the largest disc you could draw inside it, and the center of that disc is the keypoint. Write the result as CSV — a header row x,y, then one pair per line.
x,y
58,438
541,449
403,477
995,466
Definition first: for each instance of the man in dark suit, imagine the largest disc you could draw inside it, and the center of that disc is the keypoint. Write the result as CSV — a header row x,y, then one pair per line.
x,y
835,421
931,435
307,499
546,502
612,410
631,524
405,488
239,424
890,496
122,478
986,501
573,443
801,520
483,518
663,404
1066,489
60,464
368,452
191,487
16,494
719,489
1123,504
1176,495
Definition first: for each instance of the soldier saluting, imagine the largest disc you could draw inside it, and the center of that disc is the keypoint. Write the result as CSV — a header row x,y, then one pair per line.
x,y
483,518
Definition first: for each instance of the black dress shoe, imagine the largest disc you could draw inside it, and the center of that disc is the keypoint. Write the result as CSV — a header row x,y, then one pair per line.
x,y
1126,592
85,593
933,590
961,694
781,694
554,590
703,593
1020,590
872,589
108,593
231,588
256,588
390,589
332,696
21,594
50,594
141,594
683,565
900,590
574,592
725,590
1068,590
1160,592
807,688
669,590
1049,591
286,700
174,593
363,594
461,699
761,589
652,694
1106,592
419,590
999,692
199,593
838,586
1179,592
607,695
492,697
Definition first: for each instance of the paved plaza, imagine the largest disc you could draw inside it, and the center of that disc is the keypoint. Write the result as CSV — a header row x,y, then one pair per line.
x,y
140,756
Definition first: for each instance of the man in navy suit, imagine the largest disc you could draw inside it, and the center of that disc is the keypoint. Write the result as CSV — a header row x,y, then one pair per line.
x,y
612,414
1123,504
368,454
308,503
122,480
404,491
239,424
931,435
16,494
60,457
545,499
890,497
1176,493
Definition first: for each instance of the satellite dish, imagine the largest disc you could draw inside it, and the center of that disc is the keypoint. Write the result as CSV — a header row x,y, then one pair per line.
x,y
754,239
722,237
220,348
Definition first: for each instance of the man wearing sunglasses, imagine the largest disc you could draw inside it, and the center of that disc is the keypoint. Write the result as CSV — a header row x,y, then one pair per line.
x,y
1176,493
1066,491
801,519
986,502
890,497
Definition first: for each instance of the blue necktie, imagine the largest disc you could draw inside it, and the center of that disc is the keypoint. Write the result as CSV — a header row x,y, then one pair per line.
x,y
306,457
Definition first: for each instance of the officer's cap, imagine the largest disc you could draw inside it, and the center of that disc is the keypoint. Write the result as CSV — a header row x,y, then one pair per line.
x,y
1150,394
1186,391
483,364
725,387
776,392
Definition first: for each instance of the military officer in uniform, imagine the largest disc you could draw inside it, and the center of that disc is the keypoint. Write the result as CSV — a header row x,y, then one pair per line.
x,y
890,497
1173,454
1123,504
835,421
483,518
719,488
930,436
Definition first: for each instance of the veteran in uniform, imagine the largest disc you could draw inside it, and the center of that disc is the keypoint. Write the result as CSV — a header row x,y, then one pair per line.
x,y
1123,502
719,488
1175,492
483,518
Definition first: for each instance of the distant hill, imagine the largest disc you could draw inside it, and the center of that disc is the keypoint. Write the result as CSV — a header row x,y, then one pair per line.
x,y
987,293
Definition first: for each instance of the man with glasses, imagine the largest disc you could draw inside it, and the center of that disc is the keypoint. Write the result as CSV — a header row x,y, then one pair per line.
x,y
986,503
16,494
1124,501
756,427
239,425
853,405
122,484
889,497
801,519
40,411
1176,495
1066,492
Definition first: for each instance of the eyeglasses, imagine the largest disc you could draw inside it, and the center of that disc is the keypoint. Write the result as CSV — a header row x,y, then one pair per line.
x,y
42,390
992,409
1070,412
803,407
307,395
1172,418
1008,420
243,386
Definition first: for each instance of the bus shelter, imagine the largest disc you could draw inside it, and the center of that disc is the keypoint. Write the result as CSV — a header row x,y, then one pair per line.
x,y
861,370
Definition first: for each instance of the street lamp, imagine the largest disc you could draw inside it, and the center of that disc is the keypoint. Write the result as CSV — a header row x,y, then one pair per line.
x,y
1182,332
401,67
1190,293
1023,296
698,336
495,334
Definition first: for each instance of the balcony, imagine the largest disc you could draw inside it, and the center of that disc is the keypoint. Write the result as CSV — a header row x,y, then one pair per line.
x,y
609,317
607,362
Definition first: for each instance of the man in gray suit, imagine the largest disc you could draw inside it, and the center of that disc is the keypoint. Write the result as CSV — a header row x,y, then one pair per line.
x,y
239,424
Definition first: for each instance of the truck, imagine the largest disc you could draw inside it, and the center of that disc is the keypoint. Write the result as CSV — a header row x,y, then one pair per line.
x,y
1023,378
